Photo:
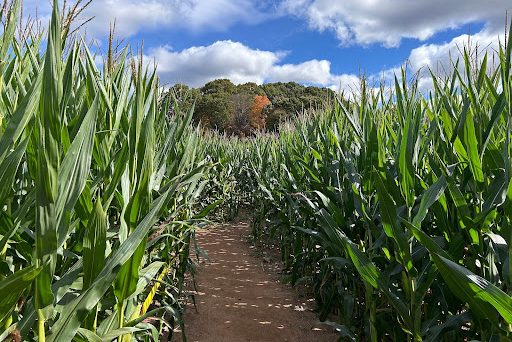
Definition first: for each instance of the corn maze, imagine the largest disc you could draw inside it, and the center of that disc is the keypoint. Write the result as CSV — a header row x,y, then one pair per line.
x,y
394,207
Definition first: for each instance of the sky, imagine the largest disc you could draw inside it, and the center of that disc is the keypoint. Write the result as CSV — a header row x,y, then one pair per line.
x,y
327,43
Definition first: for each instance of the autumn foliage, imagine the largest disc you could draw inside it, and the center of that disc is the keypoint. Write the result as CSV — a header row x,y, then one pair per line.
x,y
256,117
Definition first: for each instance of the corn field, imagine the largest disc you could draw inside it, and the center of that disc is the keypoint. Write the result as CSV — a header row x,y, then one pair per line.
x,y
396,207
98,191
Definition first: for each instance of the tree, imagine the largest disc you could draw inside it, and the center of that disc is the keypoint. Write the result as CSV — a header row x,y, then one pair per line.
x,y
291,98
238,109
274,117
214,110
250,88
218,86
182,98
240,123
257,117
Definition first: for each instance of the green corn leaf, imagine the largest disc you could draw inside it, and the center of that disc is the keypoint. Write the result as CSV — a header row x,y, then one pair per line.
x,y
496,195
89,335
9,29
405,160
147,275
429,197
95,243
483,297
20,118
461,204
452,323
372,276
461,120
75,169
128,276
471,145
12,287
497,111
74,313
8,168
48,162
120,332
342,330
391,223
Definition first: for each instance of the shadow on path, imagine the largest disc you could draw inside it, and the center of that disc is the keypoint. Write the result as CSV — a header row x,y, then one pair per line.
x,y
239,296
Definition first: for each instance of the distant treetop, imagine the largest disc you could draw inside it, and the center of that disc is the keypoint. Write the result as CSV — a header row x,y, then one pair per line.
x,y
244,108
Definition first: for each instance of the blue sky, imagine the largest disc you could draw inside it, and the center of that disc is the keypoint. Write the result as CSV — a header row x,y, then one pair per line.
x,y
318,42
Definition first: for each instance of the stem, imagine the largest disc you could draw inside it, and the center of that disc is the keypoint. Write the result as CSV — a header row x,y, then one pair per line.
x,y
371,305
40,326
415,313
120,309
7,323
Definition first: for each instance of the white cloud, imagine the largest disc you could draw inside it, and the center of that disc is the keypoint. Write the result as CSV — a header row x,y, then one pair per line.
x,y
240,63
389,21
223,59
313,71
361,22
441,58
227,59
133,16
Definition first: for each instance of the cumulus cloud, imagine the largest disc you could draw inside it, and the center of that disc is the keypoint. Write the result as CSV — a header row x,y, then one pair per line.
x,y
222,59
313,71
441,58
133,16
354,22
233,60
227,59
387,22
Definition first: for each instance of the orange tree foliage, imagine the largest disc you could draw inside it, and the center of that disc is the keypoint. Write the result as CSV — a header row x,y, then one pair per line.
x,y
256,117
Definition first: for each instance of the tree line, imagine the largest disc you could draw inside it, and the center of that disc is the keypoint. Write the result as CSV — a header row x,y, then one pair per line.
x,y
245,108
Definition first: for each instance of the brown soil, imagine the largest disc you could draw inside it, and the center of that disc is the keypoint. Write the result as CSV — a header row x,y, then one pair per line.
x,y
240,298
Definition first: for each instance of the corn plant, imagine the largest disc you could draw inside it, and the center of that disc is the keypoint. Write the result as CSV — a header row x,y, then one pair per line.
x,y
90,162
394,205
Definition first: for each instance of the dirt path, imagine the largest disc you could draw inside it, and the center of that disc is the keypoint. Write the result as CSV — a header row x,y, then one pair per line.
x,y
239,296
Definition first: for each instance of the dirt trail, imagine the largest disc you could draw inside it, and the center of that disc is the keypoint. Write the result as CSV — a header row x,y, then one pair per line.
x,y
239,296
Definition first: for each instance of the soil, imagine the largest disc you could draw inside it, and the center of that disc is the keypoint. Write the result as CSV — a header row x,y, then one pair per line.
x,y
239,296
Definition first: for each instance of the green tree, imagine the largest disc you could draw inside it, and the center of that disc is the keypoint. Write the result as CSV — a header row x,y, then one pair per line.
x,y
291,98
214,111
183,97
250,88
218,86
224,106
